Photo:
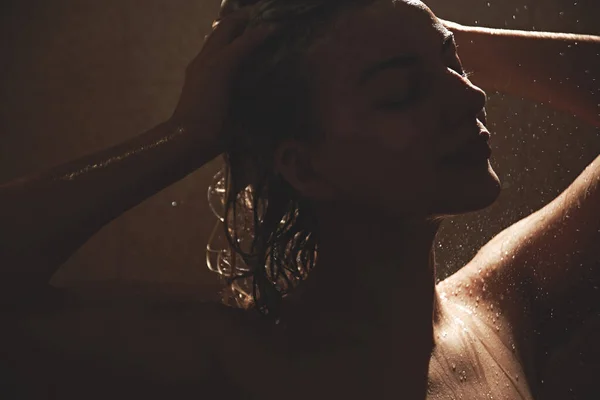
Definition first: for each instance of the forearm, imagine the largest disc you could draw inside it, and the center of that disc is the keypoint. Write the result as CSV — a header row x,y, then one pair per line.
x,y
562,70
46,217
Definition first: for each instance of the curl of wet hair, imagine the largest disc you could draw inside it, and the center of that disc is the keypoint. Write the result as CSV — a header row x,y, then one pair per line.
x,y
269,227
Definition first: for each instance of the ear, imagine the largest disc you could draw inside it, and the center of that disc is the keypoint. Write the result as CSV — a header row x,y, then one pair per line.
x,y
296,162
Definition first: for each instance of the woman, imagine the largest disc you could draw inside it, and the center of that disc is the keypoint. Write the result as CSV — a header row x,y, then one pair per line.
x,y
357,131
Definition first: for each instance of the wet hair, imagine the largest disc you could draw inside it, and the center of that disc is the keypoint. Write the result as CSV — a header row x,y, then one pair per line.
x,y
269,226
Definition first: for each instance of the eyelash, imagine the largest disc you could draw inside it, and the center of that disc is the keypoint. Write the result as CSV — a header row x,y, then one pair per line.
x,y
399,104
402,103
467,74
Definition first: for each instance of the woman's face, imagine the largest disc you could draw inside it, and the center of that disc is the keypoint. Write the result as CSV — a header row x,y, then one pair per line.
x,y
387,128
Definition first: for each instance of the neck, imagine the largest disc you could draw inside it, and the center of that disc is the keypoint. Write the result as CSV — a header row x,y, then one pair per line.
x,y
372,279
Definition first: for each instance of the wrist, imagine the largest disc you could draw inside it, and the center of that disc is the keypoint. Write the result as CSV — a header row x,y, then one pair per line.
x,y
198,143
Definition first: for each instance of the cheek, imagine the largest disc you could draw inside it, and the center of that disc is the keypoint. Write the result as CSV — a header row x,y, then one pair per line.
x,y
397,136
384,157
382,178
398,131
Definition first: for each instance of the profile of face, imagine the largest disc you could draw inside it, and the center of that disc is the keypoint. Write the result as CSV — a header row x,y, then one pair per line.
x,y
387,125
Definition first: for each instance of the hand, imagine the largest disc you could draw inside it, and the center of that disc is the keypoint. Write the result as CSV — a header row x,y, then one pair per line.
x,y
204,100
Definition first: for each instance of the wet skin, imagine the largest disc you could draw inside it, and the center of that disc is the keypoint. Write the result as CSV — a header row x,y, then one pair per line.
x,y
404,336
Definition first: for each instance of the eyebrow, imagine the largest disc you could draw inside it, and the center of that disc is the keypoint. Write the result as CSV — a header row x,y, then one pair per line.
x,y
403,61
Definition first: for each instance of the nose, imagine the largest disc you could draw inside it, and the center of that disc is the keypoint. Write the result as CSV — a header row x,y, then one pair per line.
x,y
464,100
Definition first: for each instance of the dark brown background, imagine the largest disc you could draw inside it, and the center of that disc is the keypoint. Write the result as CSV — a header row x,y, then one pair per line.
x,y
81,75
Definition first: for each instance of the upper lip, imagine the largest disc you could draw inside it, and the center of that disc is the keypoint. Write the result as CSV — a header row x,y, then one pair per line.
x,y
474,147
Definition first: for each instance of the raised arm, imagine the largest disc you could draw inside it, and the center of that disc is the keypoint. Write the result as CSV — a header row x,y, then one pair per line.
x,y
558,68
47,216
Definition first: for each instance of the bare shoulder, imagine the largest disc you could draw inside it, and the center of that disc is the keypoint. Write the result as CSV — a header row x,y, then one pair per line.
x,y
163,332
490,287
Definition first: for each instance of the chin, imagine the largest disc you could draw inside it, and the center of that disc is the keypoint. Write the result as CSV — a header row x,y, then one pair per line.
x,y
468,193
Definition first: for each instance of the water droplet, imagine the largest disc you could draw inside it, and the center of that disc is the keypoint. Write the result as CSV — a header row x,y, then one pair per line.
x,y
174,204
453,367
561,14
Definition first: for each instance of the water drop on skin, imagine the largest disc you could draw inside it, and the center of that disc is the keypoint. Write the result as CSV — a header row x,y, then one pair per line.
x,y
174,204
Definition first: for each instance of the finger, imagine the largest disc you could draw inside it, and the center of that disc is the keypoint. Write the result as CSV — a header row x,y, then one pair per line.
x,y
231,6
246,43
226,30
